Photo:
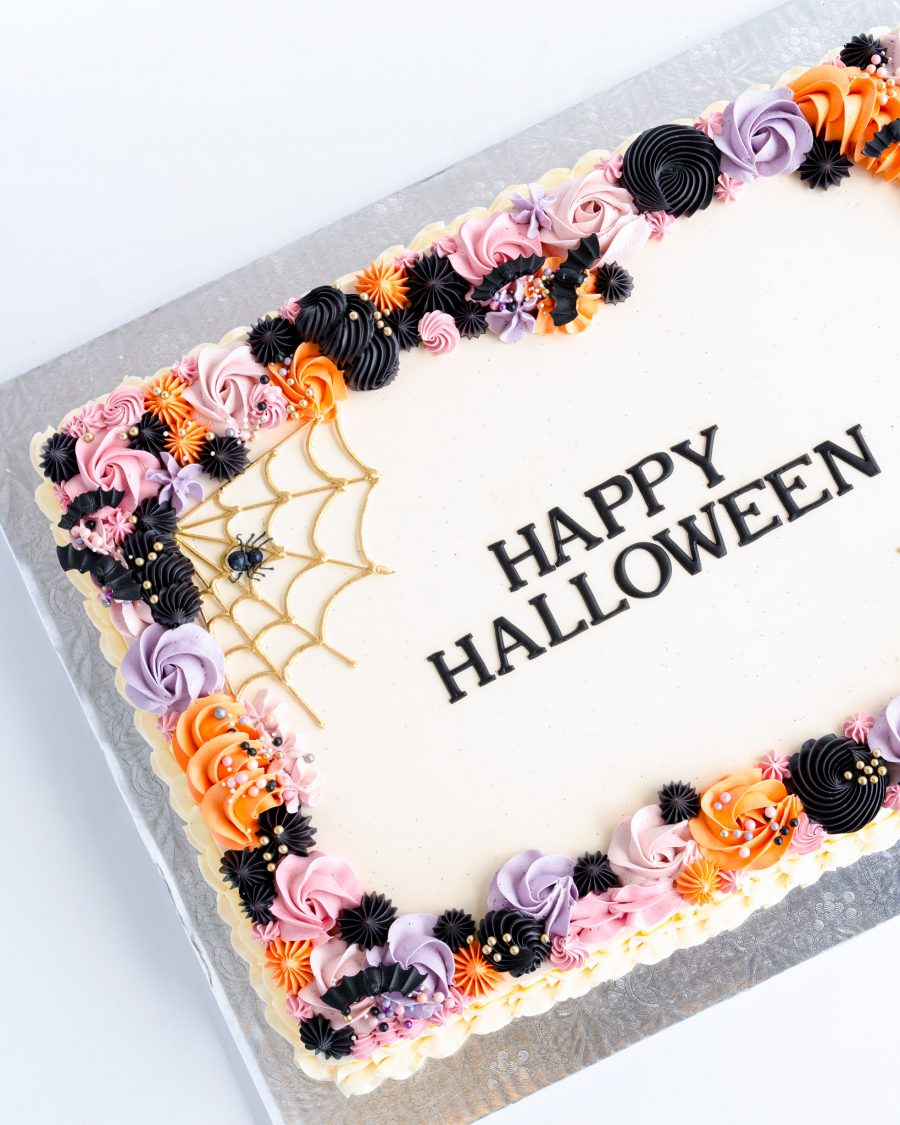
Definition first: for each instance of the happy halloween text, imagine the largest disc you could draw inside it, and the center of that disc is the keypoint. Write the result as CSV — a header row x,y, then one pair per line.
x,y
643,569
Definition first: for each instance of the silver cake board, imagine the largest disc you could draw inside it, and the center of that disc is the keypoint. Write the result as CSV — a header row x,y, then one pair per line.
x,y
576,1033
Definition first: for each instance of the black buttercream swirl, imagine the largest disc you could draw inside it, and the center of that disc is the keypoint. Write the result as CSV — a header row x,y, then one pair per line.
x,y
317,1035
671,168
350,333
471,320
404,326
177,604
320,310
223,457
860,49
376,366
281,832
244,868
148,434
155,518
434,286
58,461
593,875
142,547
512,942
819,778
454,928
272,338
367,924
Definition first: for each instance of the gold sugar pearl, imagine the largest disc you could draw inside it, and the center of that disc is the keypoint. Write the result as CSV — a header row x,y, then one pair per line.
x,y
388,331
492,940
507,938
848,775
862,779
514,949
353,315
497,958
153,599
134,431
279,828
145,585
882,771
860,765
470,939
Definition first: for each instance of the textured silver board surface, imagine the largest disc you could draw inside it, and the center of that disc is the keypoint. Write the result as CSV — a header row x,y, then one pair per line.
x,y
492,1070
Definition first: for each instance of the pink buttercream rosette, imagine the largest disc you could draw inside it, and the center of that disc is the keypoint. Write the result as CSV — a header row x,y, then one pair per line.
x,y
311,892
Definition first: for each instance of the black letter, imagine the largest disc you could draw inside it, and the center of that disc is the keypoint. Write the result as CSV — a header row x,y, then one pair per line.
x,y
550,624
580,583
866,464
520,640
605,507
696,539
704,459
660,558
739,515
558,517
448,675
783,491
533,550
646,487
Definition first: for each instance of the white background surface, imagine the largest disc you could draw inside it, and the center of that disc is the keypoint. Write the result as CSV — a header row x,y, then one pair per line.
x,y
147,149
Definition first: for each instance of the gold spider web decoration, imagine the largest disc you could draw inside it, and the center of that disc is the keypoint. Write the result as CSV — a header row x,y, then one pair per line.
x,y
267,622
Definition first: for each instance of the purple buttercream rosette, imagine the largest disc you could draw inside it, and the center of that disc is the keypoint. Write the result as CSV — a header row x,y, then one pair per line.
x,y
411,943
167,669
538,885
885,737
763,134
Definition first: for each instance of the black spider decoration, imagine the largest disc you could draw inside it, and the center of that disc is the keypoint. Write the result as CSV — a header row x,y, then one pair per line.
x,y
249,558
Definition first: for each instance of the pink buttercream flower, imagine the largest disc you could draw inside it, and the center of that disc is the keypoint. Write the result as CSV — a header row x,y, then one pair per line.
x,y
220,394
130,618
266,406
267,714
730,882
597,919
438,333
167,723
660,223
290,309
775,767
117,524
485,243
87,420
185,369
610,164
311,892
263,934
592,205
727,189
444,246
857,726
892,798
710,123
645,850
298,1009
567,951
62,494
123,407
108,461
807,837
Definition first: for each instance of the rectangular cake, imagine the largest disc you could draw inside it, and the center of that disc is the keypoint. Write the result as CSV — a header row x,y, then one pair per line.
x,y
516,610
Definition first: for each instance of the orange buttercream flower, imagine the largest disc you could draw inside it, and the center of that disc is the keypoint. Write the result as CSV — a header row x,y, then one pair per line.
x,y
232,808
288,963
472,975
847,105
207,717
186,440
745,821
699,881
384,283
223,758
313,385
164,399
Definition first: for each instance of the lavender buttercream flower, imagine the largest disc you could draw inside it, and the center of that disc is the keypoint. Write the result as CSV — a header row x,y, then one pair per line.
x,y
532,211
412,944
512,313
179,485
538,885
167,669
763,133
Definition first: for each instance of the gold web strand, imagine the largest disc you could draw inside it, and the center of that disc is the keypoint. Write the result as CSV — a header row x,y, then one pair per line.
x,y
208,536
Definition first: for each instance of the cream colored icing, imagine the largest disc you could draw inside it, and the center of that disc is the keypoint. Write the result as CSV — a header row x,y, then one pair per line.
x,y
526,996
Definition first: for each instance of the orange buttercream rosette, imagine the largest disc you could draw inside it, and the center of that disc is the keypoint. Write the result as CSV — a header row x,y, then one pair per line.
x,y
206,718
385,284
232,814
472,975
288,963
736,827
847,105
221,758
313,385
